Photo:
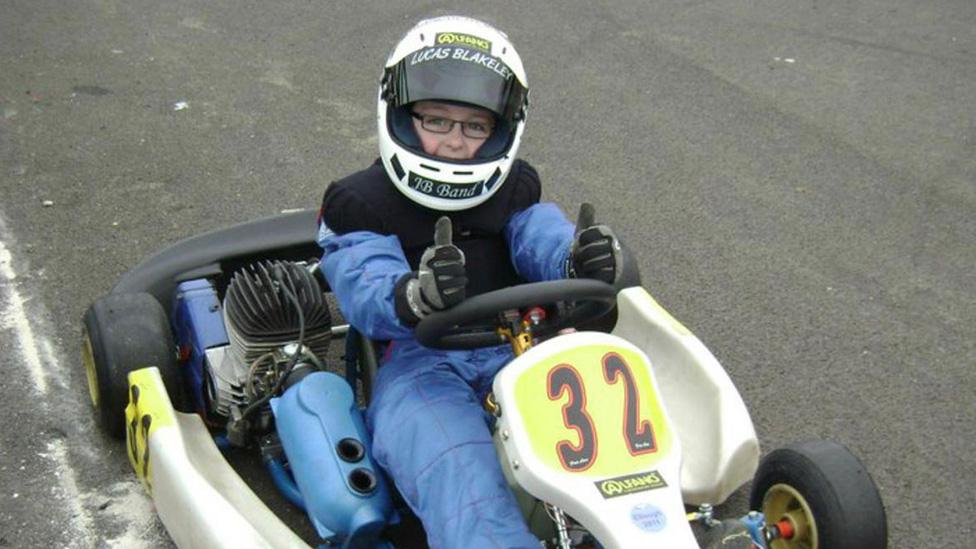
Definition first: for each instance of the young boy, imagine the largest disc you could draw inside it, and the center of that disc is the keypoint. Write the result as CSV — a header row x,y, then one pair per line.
x,y
451,112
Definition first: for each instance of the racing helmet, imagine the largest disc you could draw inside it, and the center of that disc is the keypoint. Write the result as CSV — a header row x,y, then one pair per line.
x,y
456,60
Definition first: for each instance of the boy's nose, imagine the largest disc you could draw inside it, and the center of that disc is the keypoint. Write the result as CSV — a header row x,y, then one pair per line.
x,y
455,136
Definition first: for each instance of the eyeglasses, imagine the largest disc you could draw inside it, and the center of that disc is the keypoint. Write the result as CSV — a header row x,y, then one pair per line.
x,y
438,124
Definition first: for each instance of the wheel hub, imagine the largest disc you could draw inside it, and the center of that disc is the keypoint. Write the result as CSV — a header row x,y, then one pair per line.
x,y
88,359
783,502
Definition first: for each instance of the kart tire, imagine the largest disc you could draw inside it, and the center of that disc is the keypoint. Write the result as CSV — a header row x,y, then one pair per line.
x,y
122,333
831,499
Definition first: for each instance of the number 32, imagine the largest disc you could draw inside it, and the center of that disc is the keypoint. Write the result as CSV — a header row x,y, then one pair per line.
x,y
637,433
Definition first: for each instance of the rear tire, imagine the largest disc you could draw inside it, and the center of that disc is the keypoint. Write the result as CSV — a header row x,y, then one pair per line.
x,y
827,495
122,333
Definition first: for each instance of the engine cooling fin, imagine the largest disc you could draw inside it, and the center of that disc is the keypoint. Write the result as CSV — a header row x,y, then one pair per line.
x,y
261,312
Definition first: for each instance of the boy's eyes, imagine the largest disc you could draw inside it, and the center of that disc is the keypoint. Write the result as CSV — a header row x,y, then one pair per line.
x,y
475,129
438,122
447,123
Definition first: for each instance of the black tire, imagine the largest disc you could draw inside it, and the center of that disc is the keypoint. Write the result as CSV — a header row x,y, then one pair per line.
x,y
122,333
824,482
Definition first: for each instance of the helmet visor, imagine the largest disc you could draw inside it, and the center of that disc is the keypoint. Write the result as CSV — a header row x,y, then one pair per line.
x,y
456,73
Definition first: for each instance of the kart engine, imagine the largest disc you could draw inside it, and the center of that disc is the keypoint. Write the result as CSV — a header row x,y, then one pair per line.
x,y
264,325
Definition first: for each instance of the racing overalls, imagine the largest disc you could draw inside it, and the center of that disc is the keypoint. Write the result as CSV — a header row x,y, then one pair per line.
x,y
429,429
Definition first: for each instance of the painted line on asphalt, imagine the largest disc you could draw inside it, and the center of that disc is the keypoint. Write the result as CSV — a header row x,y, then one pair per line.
x,y
13,315
37,352
81,521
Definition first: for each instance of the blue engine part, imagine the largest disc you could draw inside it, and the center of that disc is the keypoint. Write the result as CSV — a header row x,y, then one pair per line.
x,y
284,482
198,325
327,445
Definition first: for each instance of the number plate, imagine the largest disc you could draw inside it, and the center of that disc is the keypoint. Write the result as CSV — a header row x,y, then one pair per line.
x,y
593,410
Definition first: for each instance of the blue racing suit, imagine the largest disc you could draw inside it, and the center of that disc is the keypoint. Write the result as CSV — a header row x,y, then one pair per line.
x,y
430,431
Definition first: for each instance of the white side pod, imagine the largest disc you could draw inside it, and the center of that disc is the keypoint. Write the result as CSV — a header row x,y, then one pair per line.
x,y
200,499
720,447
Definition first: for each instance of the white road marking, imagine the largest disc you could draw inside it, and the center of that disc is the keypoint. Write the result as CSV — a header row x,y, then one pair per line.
x,y
132,507
14,316
80,519
125,502
40,358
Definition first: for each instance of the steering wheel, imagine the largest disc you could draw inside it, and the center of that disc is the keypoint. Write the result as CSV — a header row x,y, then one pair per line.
x,y
466,326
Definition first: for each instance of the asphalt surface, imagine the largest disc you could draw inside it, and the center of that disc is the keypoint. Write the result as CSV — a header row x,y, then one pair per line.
x,y
798,180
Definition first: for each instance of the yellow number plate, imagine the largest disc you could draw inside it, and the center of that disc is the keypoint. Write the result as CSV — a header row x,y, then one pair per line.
x,y
593,410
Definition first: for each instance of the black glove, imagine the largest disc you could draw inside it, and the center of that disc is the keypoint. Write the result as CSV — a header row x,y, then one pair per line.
x,y
596,250
440,282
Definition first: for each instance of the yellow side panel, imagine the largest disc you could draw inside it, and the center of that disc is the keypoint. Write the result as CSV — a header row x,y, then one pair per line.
x,y
149,409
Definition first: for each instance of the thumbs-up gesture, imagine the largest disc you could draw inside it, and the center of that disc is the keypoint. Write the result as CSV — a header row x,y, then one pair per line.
x,y
440,281
596,250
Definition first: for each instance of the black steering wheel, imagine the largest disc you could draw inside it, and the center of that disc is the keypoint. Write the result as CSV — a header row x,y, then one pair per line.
x,y
473,322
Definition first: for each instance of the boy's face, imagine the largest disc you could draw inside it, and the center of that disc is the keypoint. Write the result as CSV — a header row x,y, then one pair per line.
x,y
455,144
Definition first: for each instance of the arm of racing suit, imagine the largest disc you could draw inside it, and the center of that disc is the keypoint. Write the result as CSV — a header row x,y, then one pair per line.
x,y
539,239
362,268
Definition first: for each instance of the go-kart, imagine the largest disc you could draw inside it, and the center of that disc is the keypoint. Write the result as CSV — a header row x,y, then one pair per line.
x,y
625,437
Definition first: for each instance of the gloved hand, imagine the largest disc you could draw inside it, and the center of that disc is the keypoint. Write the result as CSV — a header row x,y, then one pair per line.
x,y
596,250
440,282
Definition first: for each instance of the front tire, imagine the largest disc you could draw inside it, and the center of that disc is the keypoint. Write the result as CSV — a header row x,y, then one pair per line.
x,y
824,493
122,333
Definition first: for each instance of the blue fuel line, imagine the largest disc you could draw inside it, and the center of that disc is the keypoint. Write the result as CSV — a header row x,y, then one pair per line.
x,y
284,482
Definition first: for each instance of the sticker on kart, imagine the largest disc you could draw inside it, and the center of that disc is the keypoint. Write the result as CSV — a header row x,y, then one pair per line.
x,y
593,410
149,409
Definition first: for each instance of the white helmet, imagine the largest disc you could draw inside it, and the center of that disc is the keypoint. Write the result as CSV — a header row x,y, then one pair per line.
x,y
460,60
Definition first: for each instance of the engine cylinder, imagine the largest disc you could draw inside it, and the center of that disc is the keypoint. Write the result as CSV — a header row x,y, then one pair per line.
x,y
260,318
